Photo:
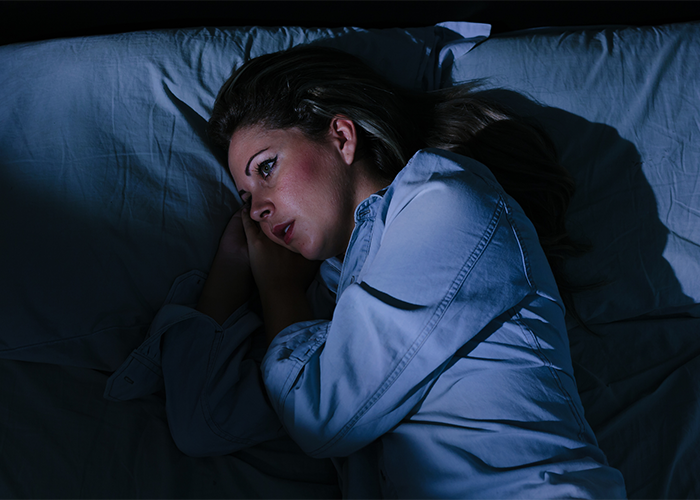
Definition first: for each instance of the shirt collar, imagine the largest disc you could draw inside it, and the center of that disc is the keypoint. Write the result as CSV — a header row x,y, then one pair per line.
x,y
367,208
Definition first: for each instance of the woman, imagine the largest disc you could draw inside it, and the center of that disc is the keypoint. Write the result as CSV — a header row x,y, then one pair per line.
x,y
445,369
428,357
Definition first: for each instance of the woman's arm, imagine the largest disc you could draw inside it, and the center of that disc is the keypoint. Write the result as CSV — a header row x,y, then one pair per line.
x,y
215,399
438,260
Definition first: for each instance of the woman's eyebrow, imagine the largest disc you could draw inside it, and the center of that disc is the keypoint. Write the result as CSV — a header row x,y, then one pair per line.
x,y
247,167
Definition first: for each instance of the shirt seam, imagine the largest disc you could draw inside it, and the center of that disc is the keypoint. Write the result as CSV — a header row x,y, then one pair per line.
x,y
427,329
537,347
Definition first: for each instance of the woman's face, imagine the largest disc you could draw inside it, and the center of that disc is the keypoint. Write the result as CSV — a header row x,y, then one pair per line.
x,y
302,193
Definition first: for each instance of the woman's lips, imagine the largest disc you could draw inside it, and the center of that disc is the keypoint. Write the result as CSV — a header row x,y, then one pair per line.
x,y
284,231
288,234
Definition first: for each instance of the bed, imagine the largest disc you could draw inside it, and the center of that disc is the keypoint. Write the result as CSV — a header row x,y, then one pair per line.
x,y
111,194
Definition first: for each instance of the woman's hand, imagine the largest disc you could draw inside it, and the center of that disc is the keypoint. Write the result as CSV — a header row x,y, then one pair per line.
x,y
282,277
233,243
230,282
274,267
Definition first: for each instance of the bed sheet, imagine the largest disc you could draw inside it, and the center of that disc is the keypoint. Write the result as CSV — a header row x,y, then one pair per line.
x,y
60,438
622,105
109,190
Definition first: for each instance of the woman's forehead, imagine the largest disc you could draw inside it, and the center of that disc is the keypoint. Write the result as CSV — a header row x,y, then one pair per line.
x,y
247,138
243,144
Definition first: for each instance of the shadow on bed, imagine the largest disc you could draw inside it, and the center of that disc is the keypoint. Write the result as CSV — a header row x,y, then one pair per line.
x,y
614,209
636,364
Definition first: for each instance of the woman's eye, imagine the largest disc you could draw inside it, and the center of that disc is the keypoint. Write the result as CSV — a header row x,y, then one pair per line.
x,y
265,167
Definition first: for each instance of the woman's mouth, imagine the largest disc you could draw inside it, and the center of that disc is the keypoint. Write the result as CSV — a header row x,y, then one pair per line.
x,y
288,233
284,231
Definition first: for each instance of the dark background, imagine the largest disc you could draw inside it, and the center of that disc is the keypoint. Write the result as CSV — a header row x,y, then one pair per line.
x,y
38,20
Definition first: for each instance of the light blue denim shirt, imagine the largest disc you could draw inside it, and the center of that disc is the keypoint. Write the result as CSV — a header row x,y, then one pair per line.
x,y
442,370
447,353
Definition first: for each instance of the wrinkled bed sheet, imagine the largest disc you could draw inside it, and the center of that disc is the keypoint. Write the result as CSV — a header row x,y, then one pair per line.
x,y
109,190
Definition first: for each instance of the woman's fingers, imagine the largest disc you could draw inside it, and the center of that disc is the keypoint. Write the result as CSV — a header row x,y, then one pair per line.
x,y
252,229
273,265
233,240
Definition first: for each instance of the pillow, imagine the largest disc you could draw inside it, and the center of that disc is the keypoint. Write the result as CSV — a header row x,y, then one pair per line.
x,y
622,106
109,186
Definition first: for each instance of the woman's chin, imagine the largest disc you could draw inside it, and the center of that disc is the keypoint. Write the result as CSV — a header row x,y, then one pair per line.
x,y
321,250
314,254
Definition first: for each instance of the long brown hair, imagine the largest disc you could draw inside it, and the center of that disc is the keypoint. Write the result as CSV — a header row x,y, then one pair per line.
x,y
305,87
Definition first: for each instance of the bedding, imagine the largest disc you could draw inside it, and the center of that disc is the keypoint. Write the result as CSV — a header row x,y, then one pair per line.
x,y
114,186
110,190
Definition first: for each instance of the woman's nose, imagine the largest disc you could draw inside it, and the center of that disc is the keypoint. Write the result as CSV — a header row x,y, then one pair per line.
x,y
260,211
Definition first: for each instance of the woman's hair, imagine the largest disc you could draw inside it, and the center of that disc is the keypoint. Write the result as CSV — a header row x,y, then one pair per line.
x,y
306,87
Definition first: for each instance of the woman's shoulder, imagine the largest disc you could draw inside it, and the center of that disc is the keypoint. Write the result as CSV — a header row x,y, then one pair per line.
x,y
429,162
444,181
453,199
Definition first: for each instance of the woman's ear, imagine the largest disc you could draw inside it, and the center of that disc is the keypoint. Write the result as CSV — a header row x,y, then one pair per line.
x,y
343,135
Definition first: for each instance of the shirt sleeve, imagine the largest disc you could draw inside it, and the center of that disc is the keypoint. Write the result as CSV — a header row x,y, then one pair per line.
x,y
449,263
215,400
